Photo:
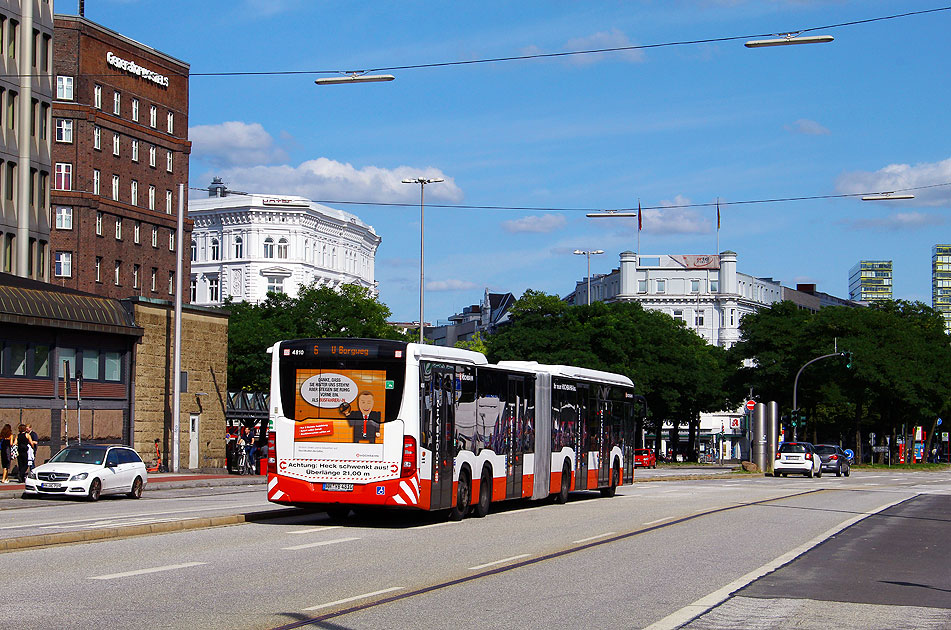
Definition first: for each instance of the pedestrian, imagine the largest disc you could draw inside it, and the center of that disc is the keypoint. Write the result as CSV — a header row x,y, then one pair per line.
x,y
7,452
25,452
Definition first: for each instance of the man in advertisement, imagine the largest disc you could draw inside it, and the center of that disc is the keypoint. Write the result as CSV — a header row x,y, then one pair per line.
x,y
364,421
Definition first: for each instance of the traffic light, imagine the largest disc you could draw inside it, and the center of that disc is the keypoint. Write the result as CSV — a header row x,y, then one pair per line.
x,y
848,359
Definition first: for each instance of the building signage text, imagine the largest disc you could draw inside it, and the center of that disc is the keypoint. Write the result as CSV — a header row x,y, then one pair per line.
x,y
133,68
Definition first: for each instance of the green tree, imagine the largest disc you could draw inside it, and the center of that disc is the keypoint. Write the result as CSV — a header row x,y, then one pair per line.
x,y
349,311
476,344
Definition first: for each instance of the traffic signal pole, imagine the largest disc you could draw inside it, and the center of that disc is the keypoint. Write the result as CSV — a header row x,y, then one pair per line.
x,y
795,390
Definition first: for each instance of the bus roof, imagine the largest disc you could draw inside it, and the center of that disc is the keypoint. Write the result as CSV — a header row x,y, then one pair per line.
x,y
568,371
425,351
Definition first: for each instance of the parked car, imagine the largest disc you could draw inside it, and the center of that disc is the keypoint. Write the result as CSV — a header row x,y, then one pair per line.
x,y
834,459
797,458
644,457
89,471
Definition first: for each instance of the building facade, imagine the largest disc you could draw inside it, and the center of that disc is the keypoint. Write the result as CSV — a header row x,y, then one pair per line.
x,y
484,318
26,92
941,282
870,281
120,152
246,245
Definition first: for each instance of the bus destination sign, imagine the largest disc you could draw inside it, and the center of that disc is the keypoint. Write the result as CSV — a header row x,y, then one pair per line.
x,y
348,350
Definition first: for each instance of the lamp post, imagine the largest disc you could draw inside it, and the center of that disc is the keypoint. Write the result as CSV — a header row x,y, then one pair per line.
x,y
588,253
422,244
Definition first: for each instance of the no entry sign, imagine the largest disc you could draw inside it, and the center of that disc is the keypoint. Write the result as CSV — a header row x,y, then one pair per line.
x,y
750,405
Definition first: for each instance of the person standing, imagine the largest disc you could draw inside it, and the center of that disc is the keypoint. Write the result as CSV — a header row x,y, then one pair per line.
x,y
7,452
26,446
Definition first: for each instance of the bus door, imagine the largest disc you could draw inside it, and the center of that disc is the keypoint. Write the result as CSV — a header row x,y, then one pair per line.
x,y
440,429
514,452
582,441
606,431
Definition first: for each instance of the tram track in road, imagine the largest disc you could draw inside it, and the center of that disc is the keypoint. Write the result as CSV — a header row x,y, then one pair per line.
x,y
499,566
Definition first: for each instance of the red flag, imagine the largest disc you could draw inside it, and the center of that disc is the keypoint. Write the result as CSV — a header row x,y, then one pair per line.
x,y
640,224
718,214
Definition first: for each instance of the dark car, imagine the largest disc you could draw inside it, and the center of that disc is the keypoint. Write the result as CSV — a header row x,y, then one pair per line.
x,y
834,459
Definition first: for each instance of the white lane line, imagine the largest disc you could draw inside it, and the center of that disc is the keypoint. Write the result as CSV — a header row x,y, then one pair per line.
x,y
660,520
319,544
431,525
130,516
589,538
502,561
170,567
355,598
315,529
704,604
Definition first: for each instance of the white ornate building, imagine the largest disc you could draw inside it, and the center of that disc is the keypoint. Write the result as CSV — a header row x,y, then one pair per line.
x,y
246,245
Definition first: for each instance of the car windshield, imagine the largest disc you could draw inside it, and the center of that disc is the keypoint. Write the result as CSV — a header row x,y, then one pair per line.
x,y
825,450
642,451
80,455
792,448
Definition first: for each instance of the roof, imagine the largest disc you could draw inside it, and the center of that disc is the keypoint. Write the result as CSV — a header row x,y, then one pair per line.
x,y
33,303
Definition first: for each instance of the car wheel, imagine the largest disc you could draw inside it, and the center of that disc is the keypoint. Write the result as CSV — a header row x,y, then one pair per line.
x,y
847,471
463,498
480,509
136,491
95,490
838,471
784,474
562,496
819,472
810,474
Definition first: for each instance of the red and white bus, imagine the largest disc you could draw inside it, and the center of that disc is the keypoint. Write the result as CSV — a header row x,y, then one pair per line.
x,y
370,422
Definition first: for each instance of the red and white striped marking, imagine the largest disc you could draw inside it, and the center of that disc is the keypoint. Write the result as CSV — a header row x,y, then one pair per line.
x,y
408,493
273,494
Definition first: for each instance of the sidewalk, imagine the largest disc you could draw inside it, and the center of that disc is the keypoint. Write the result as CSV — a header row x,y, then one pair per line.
x,y
169,481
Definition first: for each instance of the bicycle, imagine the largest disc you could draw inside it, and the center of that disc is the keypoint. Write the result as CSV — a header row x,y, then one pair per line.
x,y
243,463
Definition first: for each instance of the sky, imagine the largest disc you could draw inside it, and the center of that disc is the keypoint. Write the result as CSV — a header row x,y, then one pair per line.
x,y
672,127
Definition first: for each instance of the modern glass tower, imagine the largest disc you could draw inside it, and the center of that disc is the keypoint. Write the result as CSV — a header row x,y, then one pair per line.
x,y
870,281
941,282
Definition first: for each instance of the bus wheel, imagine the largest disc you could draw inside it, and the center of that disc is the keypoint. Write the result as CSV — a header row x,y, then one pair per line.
x,y
611,490
463,498
562,496
480,509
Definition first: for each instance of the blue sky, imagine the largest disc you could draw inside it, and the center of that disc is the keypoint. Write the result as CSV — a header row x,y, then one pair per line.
x,y
675,125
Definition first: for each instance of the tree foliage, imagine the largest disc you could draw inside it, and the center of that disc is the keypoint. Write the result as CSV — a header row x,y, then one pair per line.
x,y
349,311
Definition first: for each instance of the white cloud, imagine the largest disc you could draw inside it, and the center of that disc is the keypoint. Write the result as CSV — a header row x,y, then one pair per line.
x,y
676,220
451,285
543,224
902,176
234,143
898,221
604,39
330,180
808,128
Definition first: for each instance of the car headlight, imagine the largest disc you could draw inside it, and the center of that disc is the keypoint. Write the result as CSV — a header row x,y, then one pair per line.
x,y
31,475
79,477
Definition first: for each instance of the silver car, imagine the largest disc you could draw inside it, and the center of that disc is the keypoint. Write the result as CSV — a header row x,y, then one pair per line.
x,y
798,458
834,459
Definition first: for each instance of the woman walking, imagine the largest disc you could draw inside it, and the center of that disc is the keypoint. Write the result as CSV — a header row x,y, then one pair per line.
x,y
25,449
7,453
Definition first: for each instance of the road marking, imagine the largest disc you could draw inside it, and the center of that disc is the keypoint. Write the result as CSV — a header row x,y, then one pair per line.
x,y
431,525
584,540
315,529
319,544
356,597
704,604
170,567
502,561
660,520
130,516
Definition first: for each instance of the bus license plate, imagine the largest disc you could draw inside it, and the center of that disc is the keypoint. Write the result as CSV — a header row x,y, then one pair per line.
x,y
338,487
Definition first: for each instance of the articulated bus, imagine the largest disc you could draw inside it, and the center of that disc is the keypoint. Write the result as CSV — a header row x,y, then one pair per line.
x,y
369,422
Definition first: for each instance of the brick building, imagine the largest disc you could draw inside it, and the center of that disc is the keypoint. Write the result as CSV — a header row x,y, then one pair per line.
x,y
120,151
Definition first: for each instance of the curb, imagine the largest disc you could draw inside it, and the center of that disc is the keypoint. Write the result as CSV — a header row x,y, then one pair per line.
x,y
129,531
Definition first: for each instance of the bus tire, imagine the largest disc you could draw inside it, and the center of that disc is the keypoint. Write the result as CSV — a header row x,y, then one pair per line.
x,y
481,508
562,496
611,490
463,497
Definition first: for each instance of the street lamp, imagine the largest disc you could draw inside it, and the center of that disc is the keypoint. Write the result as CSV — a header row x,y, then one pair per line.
x,y
588,253
422,246
887,196
355,77
788,40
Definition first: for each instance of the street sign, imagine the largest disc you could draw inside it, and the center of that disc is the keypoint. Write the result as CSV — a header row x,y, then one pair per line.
x,y
879,449
944,436
751,405
735,423
849,453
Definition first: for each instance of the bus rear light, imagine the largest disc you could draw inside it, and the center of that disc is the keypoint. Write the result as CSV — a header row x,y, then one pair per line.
x,y
408,469
271,453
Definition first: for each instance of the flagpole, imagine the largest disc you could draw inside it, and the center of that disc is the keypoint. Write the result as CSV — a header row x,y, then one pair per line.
x,y
718,226
639,224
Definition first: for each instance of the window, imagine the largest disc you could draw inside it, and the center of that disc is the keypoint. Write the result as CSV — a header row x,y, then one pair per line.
x,y
63,265
64,218
44,121
134,191
115,144
153,116
194,251
64,130
113,366
135,276
135,109
97,138
98,268
679,315
10,179
238,247
41,361
151,197
168,162
714,286
154,273
64,176
193,290
17,359
98,224
171,122
11,109
213,289
269,247
116,103
282,248
97,97
661,286
171,283
115,188
171,241
695,286
135,150
64,88
275,285
215,249
96,180
135,231
152,155
91,364
154,240
168,202
118,228
698,319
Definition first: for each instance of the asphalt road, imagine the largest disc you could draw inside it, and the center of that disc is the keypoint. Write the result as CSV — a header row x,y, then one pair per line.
x,y
647,556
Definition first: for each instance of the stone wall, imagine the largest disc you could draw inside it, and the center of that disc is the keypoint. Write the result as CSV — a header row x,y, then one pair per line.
x,y
204,359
